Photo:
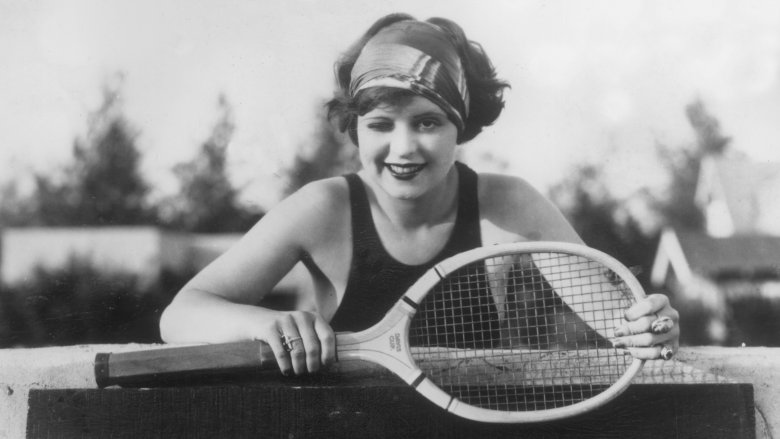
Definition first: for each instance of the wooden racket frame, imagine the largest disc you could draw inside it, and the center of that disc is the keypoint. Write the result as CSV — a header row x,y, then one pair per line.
x,y
372,344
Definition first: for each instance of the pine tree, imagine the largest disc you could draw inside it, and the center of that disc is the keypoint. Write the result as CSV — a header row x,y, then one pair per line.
x,y
103,185
328,153
678,208
207,201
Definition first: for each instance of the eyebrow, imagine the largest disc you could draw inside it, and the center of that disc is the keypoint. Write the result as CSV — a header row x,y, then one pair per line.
x,y
425,113
429,114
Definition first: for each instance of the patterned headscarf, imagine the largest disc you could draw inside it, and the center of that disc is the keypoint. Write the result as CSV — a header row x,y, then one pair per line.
x,y
415,56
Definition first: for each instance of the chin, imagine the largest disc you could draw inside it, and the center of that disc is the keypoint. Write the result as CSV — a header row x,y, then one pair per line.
x,y
403,193
403,190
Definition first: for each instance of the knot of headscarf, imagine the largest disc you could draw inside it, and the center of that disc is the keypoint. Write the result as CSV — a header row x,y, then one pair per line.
x,y
415,56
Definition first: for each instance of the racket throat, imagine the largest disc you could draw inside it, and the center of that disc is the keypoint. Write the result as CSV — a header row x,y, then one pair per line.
x,y
385,344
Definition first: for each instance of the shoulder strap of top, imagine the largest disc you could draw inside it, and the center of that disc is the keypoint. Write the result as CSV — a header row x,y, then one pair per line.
x,y
364,234
467,228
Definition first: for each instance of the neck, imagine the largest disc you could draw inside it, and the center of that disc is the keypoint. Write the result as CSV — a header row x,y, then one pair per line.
x,y
435,207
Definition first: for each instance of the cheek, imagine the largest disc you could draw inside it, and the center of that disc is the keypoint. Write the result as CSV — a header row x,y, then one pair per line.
x,y
368,151
446,146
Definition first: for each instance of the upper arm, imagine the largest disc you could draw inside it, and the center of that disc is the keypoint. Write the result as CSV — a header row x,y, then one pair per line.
x,y
265,254
512,210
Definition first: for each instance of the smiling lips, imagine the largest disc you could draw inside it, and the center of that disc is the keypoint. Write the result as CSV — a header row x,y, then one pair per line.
x,y
404,171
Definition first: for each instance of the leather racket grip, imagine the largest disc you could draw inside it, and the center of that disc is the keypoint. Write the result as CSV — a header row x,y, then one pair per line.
x,y
167,365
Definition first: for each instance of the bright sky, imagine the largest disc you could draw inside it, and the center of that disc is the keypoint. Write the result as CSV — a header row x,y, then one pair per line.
x,y
590,79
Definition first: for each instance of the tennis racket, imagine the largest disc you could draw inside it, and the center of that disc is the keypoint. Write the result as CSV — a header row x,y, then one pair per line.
x,y
507,333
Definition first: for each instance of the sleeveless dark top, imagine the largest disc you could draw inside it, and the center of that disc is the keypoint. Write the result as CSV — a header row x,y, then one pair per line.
x,y
376,279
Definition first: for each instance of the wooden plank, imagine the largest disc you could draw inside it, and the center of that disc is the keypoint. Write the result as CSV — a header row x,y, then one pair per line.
x,y
324,407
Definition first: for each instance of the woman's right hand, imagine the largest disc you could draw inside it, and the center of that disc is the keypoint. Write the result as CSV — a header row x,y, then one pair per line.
x,y
302,341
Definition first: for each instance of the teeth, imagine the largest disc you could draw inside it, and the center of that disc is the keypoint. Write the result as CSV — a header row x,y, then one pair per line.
x,y
405,169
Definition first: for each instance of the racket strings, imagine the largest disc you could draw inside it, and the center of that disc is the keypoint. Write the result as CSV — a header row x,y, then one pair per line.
x,y
523,332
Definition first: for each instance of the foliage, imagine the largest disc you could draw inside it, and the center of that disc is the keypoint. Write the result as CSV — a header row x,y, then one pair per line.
x,y
603,220
753,321
207,201
102,186
599,218
709,139
79,303
330,153
15,209
109,182
679,208
750,319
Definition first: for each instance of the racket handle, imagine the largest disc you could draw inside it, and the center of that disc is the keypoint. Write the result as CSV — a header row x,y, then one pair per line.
x,y
158,366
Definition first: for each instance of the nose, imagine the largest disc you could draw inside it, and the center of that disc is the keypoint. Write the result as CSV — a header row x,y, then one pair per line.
x,y
403,142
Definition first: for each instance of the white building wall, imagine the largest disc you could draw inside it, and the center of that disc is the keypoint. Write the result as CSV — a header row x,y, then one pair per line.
x,y
143,251
139,250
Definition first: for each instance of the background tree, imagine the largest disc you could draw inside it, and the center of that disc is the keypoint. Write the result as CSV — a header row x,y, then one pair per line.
x,y
327,153
109,187
102,186
605,222
599,218
79,303
683,164
15,209
207,201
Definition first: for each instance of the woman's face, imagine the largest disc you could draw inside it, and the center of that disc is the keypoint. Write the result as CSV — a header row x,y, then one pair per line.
x,y
408,147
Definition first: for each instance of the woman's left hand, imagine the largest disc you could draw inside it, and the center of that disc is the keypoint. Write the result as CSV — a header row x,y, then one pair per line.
x,y
650,329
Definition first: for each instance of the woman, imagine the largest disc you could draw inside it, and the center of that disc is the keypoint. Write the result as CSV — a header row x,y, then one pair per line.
x,y
410,94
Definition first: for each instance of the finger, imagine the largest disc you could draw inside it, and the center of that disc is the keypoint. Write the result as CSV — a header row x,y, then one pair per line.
x,y
665,351
646,339
282,358
632,341
327,341
643,324
648,306
646,353
309,340
660,325
297,353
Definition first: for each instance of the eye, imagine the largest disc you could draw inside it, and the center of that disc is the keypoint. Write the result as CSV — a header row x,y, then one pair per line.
x,y
429,123
381,126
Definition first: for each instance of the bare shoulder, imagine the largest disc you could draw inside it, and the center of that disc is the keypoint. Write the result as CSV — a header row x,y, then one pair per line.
x,y
511,209
325,196
315,211
308,224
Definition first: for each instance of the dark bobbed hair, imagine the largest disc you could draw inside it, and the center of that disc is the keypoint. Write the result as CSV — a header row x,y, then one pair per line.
x,y
486,91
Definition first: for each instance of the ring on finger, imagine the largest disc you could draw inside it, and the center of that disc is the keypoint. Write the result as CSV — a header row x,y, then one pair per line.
x,y
287,342
661,325
667,352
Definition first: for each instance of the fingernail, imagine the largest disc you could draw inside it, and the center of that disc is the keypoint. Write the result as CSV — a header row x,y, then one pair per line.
x,y
619,331
618,342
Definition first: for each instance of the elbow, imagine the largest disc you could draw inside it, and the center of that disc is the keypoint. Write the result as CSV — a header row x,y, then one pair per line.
x,y
168,332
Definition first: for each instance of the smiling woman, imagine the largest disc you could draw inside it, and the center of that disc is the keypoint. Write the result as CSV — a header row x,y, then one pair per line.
x,y
410,94
408,149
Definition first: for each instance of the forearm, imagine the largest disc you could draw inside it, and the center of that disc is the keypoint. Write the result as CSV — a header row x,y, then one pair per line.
x,y
196,316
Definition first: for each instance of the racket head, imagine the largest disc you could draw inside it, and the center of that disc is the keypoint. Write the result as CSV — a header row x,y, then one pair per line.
x,y
520,332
